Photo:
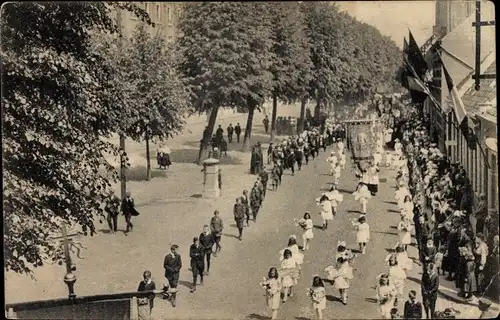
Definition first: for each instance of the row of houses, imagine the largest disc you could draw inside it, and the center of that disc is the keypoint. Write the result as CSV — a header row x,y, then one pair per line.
x,y
454,45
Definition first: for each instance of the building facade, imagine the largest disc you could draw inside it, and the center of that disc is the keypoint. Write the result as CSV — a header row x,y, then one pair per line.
x,y
165,16
455,47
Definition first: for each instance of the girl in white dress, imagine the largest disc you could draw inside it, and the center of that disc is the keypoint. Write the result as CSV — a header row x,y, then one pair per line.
x,y
407,207
342,158
336,173
362,234
332,160
343,252
294,249
335,197
362,194
397,277
400,195
318,296
307,225
401,257
386,294
326,210
341,275
272,285
405,228
288,274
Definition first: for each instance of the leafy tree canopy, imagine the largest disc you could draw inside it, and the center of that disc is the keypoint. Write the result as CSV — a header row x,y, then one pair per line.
x,y
58,101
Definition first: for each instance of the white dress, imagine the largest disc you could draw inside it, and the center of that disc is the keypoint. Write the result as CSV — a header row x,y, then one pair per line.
x,y
397,277
318,297
326,210
407,209
288,281
308,232
335,197
386,295
377,158
340,276
363,233
296,254
362,195
404,232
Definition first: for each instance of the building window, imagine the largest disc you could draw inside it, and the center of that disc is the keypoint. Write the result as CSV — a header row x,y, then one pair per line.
x,y
169,15
158,13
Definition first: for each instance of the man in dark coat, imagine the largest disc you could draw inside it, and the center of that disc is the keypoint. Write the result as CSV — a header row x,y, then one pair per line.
x,y
113,210
255,200
430,287
255,161
264,178
128,209
173,264
207,241
197,254
261,155
216,226
266,123
239,212
237,130
219,134
230,132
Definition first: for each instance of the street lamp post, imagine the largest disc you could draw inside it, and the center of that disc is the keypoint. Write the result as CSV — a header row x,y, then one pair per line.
x,y
69,278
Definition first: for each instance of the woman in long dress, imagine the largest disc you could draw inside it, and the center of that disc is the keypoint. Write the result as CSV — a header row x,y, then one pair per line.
x,y
341,275
294,249
405,228
362,233
289,273
362,194
326,210
318,296
386,294
272,285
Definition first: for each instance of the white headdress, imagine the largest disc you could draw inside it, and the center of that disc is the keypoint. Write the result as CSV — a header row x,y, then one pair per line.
x,y
341,243
293,237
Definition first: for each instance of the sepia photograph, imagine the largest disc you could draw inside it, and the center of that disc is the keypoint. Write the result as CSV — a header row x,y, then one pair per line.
x,y
213,160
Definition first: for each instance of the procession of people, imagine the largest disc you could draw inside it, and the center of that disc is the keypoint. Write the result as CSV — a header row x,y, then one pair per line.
x,y
432,196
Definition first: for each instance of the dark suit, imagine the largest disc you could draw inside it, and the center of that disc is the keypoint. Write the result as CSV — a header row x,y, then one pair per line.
x,y
430,286
197,254
413,310
172,267
237,130
128,209
255,201
207,241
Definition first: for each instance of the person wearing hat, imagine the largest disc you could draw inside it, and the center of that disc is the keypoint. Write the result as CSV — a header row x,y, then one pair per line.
x,y
197,254
172,264
128,209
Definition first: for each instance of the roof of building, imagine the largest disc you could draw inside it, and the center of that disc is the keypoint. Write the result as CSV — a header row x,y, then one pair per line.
x,y
459,45
476,101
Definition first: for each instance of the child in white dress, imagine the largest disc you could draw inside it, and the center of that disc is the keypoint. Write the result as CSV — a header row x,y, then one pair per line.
x,y
362,194
341,275
307,225
335,197
336,173
397,277
272,285
332,160
343,252
405,228
362,234
326,210
318,296
342,157
386,294
288,274
407,207
294,249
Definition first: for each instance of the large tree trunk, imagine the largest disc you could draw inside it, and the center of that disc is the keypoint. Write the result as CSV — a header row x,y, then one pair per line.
x,y
204,146
302,115
317,109
248,129
274,116
123,168
148,159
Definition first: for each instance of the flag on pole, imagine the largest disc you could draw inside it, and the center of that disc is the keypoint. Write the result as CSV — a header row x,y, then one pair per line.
x,y
416,58
465,123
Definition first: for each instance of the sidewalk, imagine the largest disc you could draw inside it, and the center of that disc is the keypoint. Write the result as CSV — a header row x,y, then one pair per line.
x,y
447,295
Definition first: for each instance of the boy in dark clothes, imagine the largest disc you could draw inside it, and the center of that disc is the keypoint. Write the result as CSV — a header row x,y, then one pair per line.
x,y
147,285
413,308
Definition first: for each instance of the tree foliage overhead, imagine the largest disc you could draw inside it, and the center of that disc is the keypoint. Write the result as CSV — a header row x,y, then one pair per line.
x,y
292,63
224,52
58,101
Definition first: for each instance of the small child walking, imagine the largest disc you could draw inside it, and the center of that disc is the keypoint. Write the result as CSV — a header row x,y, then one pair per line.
x,y
318,297
362,233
